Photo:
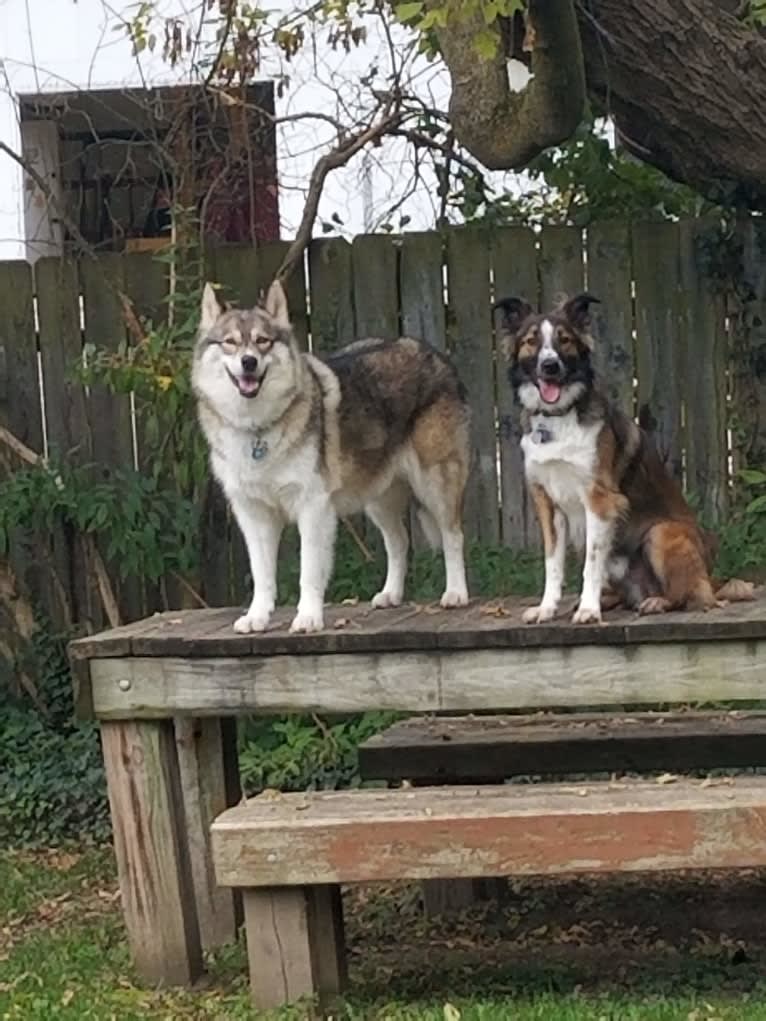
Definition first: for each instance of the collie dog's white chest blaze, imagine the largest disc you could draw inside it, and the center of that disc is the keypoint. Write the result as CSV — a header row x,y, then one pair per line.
x,y
560,455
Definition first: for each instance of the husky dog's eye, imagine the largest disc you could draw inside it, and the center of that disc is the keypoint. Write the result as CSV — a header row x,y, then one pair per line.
x,y
264,343
229,345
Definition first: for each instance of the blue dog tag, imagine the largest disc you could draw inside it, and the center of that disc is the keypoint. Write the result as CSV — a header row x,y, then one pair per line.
x,y
260,449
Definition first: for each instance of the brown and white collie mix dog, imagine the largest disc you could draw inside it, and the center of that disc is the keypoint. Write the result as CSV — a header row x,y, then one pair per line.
x,y
597,480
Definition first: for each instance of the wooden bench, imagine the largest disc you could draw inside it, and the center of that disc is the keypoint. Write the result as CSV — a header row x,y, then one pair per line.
x,y
429,750
167,690
290,853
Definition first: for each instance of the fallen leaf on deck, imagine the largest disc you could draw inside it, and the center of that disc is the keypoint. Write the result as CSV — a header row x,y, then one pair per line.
x,y
353,601
270,794
341,622
494,611
667,778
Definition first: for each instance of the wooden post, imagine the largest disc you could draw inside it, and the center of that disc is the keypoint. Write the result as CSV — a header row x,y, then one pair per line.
x,y
207,759
149,827
295,944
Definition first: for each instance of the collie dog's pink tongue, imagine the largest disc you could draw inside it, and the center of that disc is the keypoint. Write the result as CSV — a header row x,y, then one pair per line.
x,y
550,392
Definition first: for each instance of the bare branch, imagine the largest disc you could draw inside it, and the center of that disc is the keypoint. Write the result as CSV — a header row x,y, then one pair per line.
x,y
337,157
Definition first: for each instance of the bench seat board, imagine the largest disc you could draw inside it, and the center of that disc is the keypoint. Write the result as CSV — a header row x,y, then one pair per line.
x,y
451,832
488,749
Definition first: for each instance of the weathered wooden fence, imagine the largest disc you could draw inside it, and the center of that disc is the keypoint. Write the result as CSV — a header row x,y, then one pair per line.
x,y
663,342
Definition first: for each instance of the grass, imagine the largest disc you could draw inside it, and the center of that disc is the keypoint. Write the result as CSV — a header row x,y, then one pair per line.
x,y
63,954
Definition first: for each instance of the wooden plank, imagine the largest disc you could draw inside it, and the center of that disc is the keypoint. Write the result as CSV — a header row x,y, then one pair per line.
x,y
376,293
109,413
747,338
471,347
19,389
20,410
421,286
146,284
146,802
291,946
58,304
703,343
609,280
332,306
514,266
561,264
428,833
207,760
474,680
480,625
658,343
490,749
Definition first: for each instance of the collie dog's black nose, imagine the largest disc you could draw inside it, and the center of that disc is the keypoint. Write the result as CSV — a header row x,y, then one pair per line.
x,y
550,367
249,363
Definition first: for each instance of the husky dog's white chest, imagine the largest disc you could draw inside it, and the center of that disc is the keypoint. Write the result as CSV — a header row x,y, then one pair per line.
x,y
251,466
560,455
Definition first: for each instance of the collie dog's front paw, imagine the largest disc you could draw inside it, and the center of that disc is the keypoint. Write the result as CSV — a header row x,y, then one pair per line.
x,y
539,614
652,605
308,620
250,621
587,615
383,600
453,598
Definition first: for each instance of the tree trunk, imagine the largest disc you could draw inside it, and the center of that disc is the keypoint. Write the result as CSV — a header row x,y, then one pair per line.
x,y
686,83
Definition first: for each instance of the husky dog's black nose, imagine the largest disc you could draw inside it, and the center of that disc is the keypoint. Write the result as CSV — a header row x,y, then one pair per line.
x,y
549,367
249,363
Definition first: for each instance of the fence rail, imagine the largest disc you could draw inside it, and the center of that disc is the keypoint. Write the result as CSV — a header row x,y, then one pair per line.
x,y
664,342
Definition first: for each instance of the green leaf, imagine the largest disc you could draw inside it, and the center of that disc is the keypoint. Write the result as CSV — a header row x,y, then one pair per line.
x,y
408,11
752,476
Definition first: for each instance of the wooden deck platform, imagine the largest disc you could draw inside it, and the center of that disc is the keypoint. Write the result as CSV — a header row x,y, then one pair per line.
x,y
420,659
164,688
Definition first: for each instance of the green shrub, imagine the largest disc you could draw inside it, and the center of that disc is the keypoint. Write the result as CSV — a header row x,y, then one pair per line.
x,y
52,786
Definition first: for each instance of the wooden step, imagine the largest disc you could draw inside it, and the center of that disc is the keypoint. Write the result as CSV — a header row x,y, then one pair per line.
x,y
470,749
430,833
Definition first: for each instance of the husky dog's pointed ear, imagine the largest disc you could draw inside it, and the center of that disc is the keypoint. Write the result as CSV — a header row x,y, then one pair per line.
x,y
211,309
276,304
513,312
577,310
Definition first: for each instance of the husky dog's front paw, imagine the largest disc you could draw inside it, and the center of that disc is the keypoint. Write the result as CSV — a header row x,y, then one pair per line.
x,y
453,598
383,600
308,620
539,614
251,622
587,615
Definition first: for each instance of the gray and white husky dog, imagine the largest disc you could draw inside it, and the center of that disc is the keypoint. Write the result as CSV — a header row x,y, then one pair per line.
x,y
297,439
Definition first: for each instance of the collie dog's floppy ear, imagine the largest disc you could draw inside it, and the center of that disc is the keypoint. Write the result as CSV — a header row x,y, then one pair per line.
x,y
211,309
513,313
577,310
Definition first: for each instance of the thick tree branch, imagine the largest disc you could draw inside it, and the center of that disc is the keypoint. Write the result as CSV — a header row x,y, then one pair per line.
x,y
505,129
686,83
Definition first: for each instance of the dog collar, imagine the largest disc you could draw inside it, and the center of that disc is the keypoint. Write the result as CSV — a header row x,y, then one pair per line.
x,y
260,447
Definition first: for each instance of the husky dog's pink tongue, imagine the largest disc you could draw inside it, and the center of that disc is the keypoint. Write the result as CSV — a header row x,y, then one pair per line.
x,y
550,392
248,385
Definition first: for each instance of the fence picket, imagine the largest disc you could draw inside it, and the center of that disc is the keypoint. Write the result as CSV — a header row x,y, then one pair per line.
x,y
376,297
658,355
471,347
514,264
609,278
332,303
